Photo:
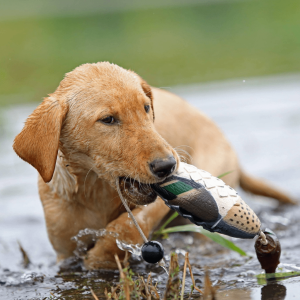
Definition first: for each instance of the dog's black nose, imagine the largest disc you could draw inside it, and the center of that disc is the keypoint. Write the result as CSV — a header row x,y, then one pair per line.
x,y
163,167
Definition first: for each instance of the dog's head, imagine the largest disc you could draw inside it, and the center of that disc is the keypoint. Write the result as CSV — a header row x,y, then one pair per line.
x,y
101,118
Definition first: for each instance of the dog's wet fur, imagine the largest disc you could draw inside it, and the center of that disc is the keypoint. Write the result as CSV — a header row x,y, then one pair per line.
x,y
103,125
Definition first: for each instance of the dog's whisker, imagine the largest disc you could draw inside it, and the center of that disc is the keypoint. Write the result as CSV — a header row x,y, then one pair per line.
x,y
184,155
187,155
180,146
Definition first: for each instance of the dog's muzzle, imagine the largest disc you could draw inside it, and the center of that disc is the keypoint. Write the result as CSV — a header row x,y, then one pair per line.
x,y
136,192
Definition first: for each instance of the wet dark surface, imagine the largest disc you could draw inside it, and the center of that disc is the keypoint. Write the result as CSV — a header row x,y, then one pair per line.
x,y
262,120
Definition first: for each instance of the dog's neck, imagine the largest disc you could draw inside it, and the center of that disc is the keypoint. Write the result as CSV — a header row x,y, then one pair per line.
x,y
81,187
74,183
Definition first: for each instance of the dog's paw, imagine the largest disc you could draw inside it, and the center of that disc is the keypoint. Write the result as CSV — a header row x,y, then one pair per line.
x,y
102,255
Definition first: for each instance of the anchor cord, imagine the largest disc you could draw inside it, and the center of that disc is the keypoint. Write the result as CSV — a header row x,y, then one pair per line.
x,y
162,262
264,240
130,213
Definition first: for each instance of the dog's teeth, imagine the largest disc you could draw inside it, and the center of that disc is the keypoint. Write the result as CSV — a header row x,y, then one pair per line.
x,y
219,208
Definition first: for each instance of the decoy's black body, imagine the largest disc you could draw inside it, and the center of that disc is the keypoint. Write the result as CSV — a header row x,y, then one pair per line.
x,y
152,252
204,206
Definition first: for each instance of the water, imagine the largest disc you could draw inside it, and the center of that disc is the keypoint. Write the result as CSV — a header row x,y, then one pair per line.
x,y
260,117
133,249
91,234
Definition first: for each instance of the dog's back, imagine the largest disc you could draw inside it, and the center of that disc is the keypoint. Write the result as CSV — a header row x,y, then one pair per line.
x,y
189,130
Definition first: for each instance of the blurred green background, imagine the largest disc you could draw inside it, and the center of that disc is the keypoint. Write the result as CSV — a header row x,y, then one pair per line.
x,y
166,42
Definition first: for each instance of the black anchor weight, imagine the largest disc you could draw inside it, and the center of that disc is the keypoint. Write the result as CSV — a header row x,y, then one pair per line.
x,y
152,252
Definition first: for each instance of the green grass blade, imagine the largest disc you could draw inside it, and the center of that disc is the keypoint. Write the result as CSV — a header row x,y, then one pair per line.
x,y
213,236
262,278
169,221
159,231
224,174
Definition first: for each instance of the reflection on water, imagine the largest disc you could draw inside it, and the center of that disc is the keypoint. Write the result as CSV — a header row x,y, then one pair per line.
x,y
262,121
273,291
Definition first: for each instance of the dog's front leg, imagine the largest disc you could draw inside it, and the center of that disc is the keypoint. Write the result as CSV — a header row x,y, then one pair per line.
x,y
149,217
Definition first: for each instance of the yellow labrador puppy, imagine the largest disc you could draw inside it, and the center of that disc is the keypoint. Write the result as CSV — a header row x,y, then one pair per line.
x,y
105,123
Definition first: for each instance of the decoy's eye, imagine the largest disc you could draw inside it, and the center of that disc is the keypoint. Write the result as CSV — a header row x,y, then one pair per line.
x,y
147,108
108,120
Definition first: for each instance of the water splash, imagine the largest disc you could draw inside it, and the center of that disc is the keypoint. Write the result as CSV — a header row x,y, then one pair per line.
x,y
87,237
26,278
133,249
163,265
137,250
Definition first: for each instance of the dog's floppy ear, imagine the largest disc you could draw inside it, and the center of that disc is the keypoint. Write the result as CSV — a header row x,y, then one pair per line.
x,y
147,90
38,142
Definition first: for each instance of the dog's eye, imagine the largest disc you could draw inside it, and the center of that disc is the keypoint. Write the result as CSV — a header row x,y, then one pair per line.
x,y
108,120
147,108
